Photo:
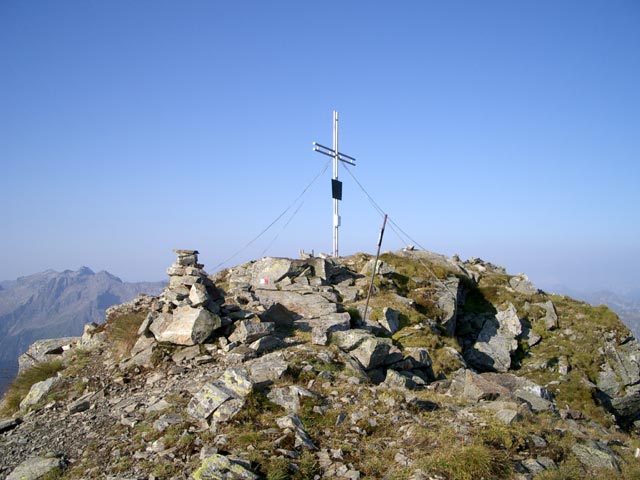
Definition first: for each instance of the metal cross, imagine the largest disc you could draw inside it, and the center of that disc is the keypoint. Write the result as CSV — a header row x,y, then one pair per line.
x,y
336,185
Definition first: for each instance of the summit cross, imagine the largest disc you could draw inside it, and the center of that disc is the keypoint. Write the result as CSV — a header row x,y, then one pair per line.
x,y
336,185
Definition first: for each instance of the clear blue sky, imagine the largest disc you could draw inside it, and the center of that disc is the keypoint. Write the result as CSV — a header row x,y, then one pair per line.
x,y
503,130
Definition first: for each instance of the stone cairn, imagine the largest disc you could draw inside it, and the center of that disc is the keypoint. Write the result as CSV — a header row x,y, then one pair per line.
x,y
186,312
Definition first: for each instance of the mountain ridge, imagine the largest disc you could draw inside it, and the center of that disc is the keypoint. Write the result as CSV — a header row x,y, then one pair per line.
x,y
52,303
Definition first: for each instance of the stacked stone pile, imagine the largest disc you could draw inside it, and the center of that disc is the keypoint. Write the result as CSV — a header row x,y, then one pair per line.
x,y
186,312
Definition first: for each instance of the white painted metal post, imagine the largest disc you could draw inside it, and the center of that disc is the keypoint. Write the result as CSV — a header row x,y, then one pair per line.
x,y
336,214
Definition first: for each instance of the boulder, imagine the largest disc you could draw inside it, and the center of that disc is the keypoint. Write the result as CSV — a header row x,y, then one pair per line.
x,y
198,295
279,315
267,344
374,351
596,455
390,320
347,340
37,392
448,300
322,328
293,423
7,424
45,351
267,368
35,468
247,331
496,341
307,305
218,467
289,397
187,326
521,284
224,398
550,318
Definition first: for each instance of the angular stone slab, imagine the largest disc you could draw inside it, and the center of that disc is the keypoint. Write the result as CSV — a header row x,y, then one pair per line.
x,y
217,467
247,331
187,326
349,339
266,369
496,342
311,305
35,468
38,391
373,352
207,400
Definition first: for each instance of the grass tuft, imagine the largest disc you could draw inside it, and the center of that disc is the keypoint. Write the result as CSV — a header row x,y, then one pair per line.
x,y
23,383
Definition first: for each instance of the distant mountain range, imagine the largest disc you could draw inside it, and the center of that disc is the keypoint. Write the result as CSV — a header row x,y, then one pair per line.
x,y
56,304
626,304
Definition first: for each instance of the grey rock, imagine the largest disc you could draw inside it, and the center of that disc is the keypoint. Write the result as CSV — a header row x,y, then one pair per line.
x,y
198,295
521,284
219,467
308,305
349,339
247,331
289,397
373,352
188,326
596,455
267,344
38,391
302,438
81,404
448,300
279,315
390,320
550,318
45,351
419,355
267,368
35,468
507,416
7,424
224,398
496,341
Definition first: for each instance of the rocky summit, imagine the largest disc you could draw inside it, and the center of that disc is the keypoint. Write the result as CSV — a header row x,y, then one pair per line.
x,y
276,369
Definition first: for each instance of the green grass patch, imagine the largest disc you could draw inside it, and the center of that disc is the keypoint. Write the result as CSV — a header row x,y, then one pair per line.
x,y
23,383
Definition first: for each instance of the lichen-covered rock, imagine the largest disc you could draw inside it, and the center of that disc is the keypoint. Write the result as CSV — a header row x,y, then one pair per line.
x,y
221,400
596,455
219,467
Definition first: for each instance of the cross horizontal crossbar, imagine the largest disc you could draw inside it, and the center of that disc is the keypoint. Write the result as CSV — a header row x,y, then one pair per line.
x,y
331,153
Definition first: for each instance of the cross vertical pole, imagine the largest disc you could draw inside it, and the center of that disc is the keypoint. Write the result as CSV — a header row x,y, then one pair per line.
x,y
336,186
336,214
